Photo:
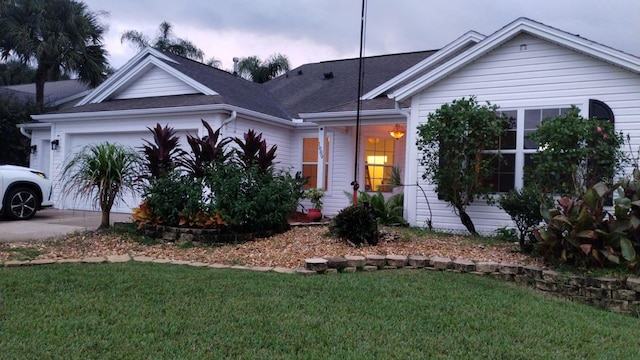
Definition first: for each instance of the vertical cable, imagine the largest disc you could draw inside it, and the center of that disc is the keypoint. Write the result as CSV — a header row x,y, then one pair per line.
x,y
354,183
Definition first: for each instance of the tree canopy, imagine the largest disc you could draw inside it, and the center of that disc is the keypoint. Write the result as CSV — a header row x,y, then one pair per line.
x,y
165,40
61,36
260,71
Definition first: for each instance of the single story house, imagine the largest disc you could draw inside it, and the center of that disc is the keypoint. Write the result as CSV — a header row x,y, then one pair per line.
x,y
527,68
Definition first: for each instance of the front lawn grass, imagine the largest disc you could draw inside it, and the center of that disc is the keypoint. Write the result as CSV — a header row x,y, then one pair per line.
x,y
160,311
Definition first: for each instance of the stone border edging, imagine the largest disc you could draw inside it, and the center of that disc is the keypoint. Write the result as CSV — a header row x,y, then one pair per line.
x,y
616,295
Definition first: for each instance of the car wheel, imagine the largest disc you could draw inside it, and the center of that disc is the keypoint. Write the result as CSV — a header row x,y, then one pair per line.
x,y
21,204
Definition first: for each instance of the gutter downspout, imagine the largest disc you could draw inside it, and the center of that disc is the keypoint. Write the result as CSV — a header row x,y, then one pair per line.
x,y
24,132
233,116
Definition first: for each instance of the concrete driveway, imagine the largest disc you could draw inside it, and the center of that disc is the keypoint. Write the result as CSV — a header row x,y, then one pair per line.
x,y
53,222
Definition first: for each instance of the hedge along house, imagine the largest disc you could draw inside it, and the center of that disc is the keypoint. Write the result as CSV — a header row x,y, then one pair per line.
x,y
529,69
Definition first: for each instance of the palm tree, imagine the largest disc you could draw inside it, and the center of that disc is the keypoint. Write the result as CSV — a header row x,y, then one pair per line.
x,y
102,173
252,68
164,41
62,36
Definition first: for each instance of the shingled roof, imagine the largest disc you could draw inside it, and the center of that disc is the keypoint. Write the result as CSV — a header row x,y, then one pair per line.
x,y
54,91
315,87
333,85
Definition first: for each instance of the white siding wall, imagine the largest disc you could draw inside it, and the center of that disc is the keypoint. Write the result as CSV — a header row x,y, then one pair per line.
x,y
543,75
273,135
155,82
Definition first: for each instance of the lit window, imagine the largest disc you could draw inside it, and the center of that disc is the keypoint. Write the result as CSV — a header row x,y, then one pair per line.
x,y
379,157
310,161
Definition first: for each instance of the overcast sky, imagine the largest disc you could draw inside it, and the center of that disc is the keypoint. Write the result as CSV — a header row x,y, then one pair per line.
x,y
317,30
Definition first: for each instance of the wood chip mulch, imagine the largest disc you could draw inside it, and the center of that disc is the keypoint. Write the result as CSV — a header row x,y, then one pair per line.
x,y
283,250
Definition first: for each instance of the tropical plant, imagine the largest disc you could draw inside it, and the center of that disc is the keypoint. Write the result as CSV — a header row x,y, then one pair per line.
x,y
164,153
205,150
103,173
60,35
523,205
453,143
574,154
580,232
165,40
314,195
387,212
356,225
253,151
256,70
173,196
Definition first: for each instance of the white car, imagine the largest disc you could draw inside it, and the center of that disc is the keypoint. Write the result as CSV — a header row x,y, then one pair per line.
x,y
23,192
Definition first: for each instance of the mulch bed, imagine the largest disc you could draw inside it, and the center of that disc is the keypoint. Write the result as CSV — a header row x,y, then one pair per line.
x,y
288,249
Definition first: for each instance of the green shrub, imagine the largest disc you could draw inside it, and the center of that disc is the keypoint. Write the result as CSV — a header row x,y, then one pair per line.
x,y
387,212
171,195
523,205
356,224
252,200
581,233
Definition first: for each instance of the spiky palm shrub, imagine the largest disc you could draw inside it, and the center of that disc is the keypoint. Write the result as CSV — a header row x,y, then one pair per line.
x,y
102,173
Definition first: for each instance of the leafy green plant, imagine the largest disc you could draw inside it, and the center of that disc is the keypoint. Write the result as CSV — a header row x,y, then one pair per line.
x,y
506,234
172,196
315,196
453,143
523,205
574,154
387,212
356,224
581,233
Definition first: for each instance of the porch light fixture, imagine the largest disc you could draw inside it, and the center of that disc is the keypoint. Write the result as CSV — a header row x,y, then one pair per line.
x,y
34,149
396,133
55,144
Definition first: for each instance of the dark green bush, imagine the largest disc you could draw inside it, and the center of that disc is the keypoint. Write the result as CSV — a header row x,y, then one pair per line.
x,y
173,194
523,205
356,224
252,200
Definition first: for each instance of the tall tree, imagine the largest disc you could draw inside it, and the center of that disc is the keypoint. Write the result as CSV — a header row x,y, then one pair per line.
x,y
165,40
62,36
252,68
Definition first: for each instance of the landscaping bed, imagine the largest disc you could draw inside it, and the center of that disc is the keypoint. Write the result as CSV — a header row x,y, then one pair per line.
x,y
288,249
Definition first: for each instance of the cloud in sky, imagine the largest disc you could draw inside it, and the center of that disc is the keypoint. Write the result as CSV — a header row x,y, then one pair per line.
x,y
316,30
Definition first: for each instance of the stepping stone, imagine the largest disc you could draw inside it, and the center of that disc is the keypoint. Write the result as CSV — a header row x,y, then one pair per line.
x,y
261,268
316,264
510,269
219,266
68,261
464,265
181,262
331,271
337,263
161,261
349,269
118,258
283,270
398,261
43,261
440,263
305,272
487,267
418,261
632,283
240,267
369,268
143,258
15,263
94,260
198,264
376,260
356,261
